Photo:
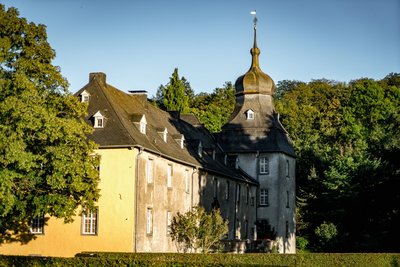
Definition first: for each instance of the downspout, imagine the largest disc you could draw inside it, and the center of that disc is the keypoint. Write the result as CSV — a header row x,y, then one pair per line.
x,y
137,195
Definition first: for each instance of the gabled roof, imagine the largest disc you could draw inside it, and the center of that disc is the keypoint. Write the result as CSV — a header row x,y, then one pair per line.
x,y
123,112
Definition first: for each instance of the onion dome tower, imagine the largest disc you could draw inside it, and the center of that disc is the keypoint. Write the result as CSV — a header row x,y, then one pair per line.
x,y
257,141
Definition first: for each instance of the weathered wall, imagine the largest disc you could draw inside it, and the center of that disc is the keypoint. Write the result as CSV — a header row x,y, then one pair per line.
x,y
279,181
115,217
239,211
160,198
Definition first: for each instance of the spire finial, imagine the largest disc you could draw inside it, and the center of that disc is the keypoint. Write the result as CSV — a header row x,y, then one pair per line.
x,y
255,51
254,13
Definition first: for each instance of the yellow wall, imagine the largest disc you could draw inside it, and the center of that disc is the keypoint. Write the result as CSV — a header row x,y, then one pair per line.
x,y
116,215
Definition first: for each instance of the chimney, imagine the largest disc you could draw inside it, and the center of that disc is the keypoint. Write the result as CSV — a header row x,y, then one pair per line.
x,y
99,76
141,95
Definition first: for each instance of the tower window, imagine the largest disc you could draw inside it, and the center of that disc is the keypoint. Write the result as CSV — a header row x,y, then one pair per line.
x,y
249,114
264,165
264,197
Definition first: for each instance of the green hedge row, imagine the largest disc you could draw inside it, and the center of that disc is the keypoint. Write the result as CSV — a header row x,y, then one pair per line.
x,y
175,259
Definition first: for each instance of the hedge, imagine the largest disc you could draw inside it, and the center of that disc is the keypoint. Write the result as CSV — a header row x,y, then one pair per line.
x,y
175,259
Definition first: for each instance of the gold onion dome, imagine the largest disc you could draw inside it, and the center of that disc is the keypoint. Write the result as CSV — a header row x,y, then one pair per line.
x,y
255,81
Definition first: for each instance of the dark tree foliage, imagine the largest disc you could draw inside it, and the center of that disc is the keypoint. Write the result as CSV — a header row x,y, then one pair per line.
x,y
347,141
46,167
214,110
175,95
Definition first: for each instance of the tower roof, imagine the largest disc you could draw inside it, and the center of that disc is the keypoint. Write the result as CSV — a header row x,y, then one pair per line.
x,y
255,81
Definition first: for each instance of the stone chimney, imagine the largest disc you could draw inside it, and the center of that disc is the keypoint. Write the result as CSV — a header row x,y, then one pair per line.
x,y
141,95
98,76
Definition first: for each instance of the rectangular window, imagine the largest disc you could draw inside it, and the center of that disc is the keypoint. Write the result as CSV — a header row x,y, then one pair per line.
x,y
287,229
238,193
264,197
264,165
149,220
98,122
227,191
247,195
169,176
150,171
287,199
142,127
89,222
287,168
187,181
169,219
246,229
37,225
216,185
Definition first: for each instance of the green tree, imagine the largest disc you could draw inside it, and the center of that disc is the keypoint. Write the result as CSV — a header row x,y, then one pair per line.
x,y
197,229
347,142
46,165
174,96
214,110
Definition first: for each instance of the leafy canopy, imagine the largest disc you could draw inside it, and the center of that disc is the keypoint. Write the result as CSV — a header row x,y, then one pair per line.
x,y
346,138
197,229
46,165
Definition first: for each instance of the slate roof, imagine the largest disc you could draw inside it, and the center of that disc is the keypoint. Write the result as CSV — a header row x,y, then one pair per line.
x,y
123,112
272,138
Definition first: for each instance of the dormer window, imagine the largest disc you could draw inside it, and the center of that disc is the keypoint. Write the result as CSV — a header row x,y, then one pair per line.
x,y
163,132
213,154
249,114
85,96
98,120
180,139
140,121
142,127
226,159
237,162
200,149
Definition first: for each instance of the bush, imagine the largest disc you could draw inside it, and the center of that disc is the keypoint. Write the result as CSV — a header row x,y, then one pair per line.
x,y
186,259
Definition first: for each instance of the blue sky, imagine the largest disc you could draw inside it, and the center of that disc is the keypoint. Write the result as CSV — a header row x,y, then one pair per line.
x,y
138,43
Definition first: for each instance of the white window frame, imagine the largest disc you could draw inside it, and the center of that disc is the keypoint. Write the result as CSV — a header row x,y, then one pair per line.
x,y
89,222
85,96
37,225
142,126
264,165
170,173
250,114
150,171
149,221
98,120
264,198
165,135
200,149
169,220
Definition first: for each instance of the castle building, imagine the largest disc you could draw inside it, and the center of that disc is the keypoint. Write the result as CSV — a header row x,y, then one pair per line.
x,y
263,150
154,164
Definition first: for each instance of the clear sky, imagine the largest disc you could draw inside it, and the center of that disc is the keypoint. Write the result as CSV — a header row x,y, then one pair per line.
x,y
138,43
